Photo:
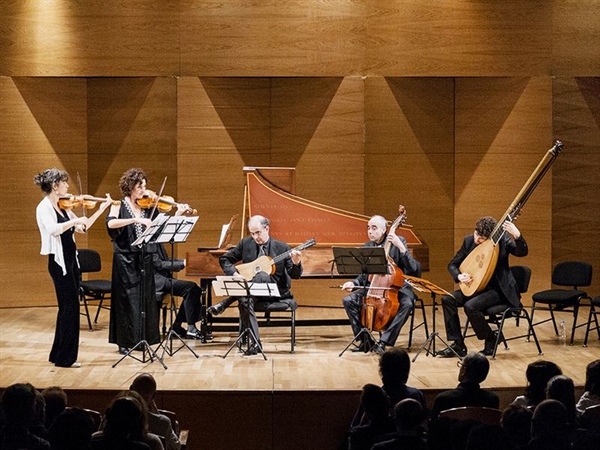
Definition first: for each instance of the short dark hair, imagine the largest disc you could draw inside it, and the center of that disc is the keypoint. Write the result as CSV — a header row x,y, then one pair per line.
x,y
18,404
538,374
592,377
49,177
130,179
485,226
394,366
476,367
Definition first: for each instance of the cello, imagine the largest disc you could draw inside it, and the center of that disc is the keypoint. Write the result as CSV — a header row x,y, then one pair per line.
x,y
381,303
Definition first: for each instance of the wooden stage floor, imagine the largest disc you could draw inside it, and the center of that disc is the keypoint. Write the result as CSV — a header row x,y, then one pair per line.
x,y
26,335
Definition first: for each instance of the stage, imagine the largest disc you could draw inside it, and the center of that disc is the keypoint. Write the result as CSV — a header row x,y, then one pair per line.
x,y
210,384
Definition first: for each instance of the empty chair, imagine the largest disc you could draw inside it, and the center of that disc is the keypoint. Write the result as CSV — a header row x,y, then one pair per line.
x,y
594,311
574,274
92,290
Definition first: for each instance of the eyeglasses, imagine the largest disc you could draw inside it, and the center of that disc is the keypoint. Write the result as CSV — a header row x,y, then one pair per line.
x,y
459,363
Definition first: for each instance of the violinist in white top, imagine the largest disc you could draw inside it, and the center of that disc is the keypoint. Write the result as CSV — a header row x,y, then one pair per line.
x,y
57,226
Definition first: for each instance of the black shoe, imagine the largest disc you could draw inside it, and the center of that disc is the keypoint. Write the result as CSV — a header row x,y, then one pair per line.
x,y
453,350
379,347
123,350
363,346
194,335
215,310
490,344
253,350
179,330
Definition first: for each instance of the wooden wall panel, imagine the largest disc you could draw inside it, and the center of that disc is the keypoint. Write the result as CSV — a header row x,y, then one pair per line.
x,y
318,128
503,129
42,125
576,38
576,185
91,38
459,38
272,37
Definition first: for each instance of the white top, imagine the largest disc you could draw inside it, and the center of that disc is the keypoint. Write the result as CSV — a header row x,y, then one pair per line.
x,y
50,231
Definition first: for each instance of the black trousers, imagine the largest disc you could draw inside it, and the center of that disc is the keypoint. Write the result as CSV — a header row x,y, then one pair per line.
x,y
66,336
191,308
475,307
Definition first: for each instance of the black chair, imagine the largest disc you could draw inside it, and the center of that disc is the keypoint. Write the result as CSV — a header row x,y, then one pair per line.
x,y
568,273
498,314
92,290
288,307
593,316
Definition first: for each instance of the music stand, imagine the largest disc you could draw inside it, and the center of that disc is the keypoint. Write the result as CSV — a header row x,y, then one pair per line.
x,y
426,286
360,260
145,238
236,287
175,229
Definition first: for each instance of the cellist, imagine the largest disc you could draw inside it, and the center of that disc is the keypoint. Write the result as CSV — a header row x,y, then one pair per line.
x,y
378,236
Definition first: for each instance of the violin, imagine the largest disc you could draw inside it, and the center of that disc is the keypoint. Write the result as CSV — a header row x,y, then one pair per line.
x,y
381,302
164,203
87,201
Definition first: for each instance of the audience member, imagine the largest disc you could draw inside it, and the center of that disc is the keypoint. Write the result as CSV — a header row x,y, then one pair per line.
x,y
549,428
18,405
376,421
409,418
489,437
474,369
591,396
562,388
158,423
516,421
72,430
38,426
123,426
538,374
56,401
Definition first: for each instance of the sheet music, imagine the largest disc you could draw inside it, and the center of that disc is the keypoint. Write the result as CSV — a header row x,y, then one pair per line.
x,y
149,232
177,228
224,230
229,286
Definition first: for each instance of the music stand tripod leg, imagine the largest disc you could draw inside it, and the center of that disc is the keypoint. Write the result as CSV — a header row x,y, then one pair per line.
x,y
431,339
364,335
251,338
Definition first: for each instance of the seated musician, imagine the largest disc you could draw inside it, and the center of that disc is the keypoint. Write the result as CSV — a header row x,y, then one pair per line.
x,y
248,250
377,232
502,287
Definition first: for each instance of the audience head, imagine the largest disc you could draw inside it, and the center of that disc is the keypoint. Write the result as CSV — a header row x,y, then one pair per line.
x,y
538,374
516,421
124,418
549,420
409,415
562,388
18,404
71,430
375,401
474,368
592,377
145,385
39,417
394,366
56,402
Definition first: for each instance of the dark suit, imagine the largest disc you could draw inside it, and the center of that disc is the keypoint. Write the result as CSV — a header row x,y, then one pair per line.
x,y
502,288
353,302
190,311
465,394
247,251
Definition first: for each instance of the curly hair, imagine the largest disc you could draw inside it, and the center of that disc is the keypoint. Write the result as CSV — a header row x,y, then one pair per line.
x,y
485,226
130,179
48,178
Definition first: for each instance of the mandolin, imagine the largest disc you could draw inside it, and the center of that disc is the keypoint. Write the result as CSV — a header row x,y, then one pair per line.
x,y
266,263
481,262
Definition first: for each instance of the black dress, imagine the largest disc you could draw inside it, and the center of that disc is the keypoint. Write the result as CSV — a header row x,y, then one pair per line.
x,y
66,337
133,286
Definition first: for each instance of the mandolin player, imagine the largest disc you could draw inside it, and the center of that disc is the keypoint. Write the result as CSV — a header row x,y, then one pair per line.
x,y
501,288
253,249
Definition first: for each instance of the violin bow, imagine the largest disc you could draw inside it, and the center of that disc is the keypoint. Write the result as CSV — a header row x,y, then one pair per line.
x,y
159,194
79,186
